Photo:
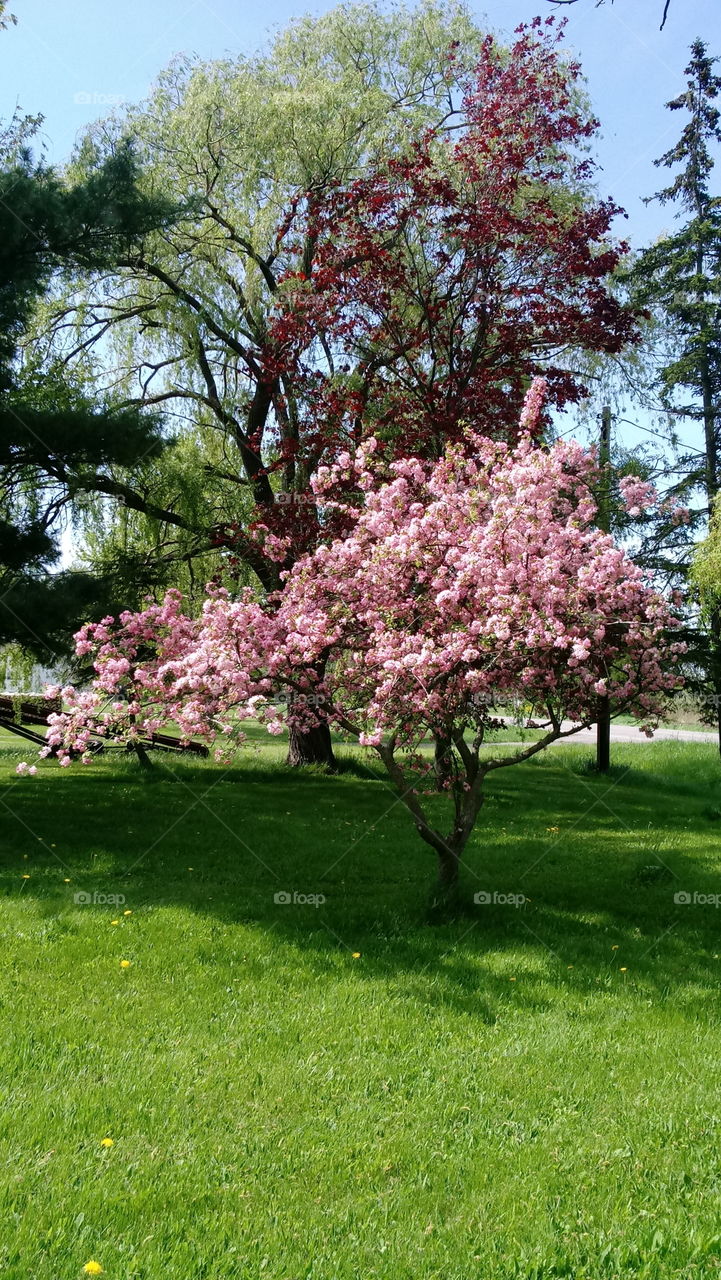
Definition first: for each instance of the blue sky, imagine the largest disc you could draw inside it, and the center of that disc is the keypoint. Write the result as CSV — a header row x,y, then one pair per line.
x,y
70,59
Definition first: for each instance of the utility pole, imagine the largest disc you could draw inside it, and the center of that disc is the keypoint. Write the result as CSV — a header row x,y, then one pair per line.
x,y
603,726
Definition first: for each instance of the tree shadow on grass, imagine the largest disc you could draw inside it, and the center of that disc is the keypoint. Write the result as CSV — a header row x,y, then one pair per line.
x,y
581,874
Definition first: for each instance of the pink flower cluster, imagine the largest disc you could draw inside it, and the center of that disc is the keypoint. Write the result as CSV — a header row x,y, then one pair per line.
x,y
533,405
464,583
638,495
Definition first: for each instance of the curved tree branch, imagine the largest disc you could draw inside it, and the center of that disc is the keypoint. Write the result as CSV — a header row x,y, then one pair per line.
x,y
666,7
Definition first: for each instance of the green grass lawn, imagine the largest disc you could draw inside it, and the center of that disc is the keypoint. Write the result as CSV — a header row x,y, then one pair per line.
x,y
520,1092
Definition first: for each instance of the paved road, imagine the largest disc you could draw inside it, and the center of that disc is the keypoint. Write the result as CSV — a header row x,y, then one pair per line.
x,y
629,733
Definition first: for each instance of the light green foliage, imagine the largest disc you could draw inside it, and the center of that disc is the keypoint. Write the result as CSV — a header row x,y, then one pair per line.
x,y
140,549
252,143
706,571
244,140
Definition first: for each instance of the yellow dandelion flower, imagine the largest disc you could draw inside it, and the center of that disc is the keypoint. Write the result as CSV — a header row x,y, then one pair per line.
x,y
93,1268
623,969
106,1142
25,877
66,880
356,955
125,964
512,979
127,913
614,947
115,922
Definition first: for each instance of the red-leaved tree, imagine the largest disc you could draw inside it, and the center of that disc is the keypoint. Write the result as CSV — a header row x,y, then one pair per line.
x,y
435,287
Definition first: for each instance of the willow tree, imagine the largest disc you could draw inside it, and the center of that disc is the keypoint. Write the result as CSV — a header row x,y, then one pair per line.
x,y
707,563
248,140
491,265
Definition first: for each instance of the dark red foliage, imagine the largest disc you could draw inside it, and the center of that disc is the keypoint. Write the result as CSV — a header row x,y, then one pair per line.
x,y
441,282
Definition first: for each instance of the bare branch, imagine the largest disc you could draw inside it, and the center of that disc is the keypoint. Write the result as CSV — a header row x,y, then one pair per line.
x,y
666,7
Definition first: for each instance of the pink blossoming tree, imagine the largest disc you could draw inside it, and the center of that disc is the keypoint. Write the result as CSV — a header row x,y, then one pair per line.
x,y
463,583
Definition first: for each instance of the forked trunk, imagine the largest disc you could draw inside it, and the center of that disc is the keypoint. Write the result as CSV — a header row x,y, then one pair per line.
x,y
449,849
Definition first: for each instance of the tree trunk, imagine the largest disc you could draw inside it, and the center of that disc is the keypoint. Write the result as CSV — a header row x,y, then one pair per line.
x,y
448,864
712,489
445,899
143,758
442,760
715,629
603,736
313,746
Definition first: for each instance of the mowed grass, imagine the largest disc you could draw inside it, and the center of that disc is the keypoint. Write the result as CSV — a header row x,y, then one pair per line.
x,y
515,1093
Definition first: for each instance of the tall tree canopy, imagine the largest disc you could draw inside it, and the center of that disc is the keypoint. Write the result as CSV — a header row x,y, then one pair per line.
x,y
679,279
393,221
247,140
680,275
52,437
